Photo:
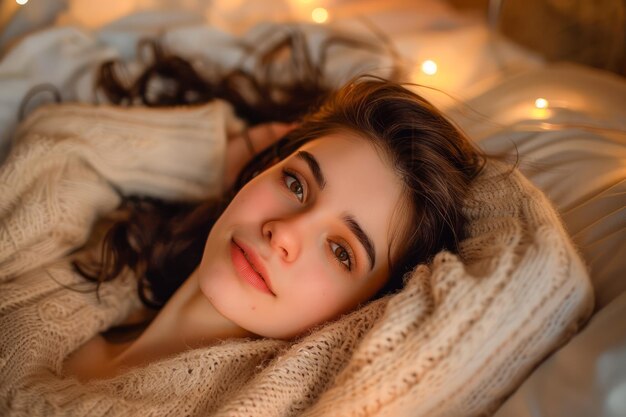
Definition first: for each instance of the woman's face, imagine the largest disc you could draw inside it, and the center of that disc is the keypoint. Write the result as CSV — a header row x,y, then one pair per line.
x,y
306,240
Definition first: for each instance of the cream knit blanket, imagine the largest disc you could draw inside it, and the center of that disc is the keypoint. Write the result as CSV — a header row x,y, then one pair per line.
x,y
456,341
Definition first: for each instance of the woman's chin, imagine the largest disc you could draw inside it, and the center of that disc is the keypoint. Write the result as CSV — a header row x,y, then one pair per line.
x,y
208,275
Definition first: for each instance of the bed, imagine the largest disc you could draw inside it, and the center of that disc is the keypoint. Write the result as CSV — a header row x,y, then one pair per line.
x,y
566,122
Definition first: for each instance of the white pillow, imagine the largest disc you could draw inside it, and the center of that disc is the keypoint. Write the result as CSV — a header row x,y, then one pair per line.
x,y
575,151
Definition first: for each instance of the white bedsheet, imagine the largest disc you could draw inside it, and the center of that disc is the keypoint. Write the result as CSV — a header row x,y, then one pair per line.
x,y
69,38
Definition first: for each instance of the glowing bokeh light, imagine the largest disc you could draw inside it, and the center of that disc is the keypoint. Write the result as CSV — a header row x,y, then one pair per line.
x,y
541,103
21,2
319,15
429,67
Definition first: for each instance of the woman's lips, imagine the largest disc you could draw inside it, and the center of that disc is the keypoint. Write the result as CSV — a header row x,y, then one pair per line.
x,y
244,267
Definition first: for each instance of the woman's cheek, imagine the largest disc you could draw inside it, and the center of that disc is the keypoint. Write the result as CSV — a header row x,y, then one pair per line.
x,y
257,198
320,293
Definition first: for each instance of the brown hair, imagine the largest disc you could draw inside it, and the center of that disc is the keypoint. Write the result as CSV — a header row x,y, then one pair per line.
x,y
163,242
259,94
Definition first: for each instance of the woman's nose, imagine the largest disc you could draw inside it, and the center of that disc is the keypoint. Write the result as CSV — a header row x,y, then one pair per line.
x,y
283,238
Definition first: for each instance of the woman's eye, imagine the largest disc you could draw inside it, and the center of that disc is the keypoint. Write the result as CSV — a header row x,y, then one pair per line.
x,y
342,255
294,185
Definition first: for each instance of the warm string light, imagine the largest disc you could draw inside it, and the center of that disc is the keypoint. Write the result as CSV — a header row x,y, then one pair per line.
x,y
21,2
541,110
429,67
319,15
541,103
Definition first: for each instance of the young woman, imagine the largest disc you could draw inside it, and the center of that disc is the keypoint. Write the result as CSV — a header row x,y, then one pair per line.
x,y
330,216
263,299
331,212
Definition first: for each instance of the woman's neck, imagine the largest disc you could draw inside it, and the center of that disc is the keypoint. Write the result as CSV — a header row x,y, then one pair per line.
x,y
188,320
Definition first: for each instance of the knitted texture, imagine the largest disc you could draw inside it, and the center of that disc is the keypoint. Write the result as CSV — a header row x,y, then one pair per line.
x,y
460,336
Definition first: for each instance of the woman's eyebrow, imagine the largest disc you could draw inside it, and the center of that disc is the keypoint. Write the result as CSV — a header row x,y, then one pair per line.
x,y
360,234
348,219
314,166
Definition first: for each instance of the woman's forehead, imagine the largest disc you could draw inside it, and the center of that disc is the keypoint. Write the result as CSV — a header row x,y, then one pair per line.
x,y
358,181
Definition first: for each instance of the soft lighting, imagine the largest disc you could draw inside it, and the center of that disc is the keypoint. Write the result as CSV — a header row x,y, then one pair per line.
x,y
542,109
319,15
541,103
429,67
21,2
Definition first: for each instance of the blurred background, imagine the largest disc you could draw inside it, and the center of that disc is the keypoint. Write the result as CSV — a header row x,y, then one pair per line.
x,y
590,32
